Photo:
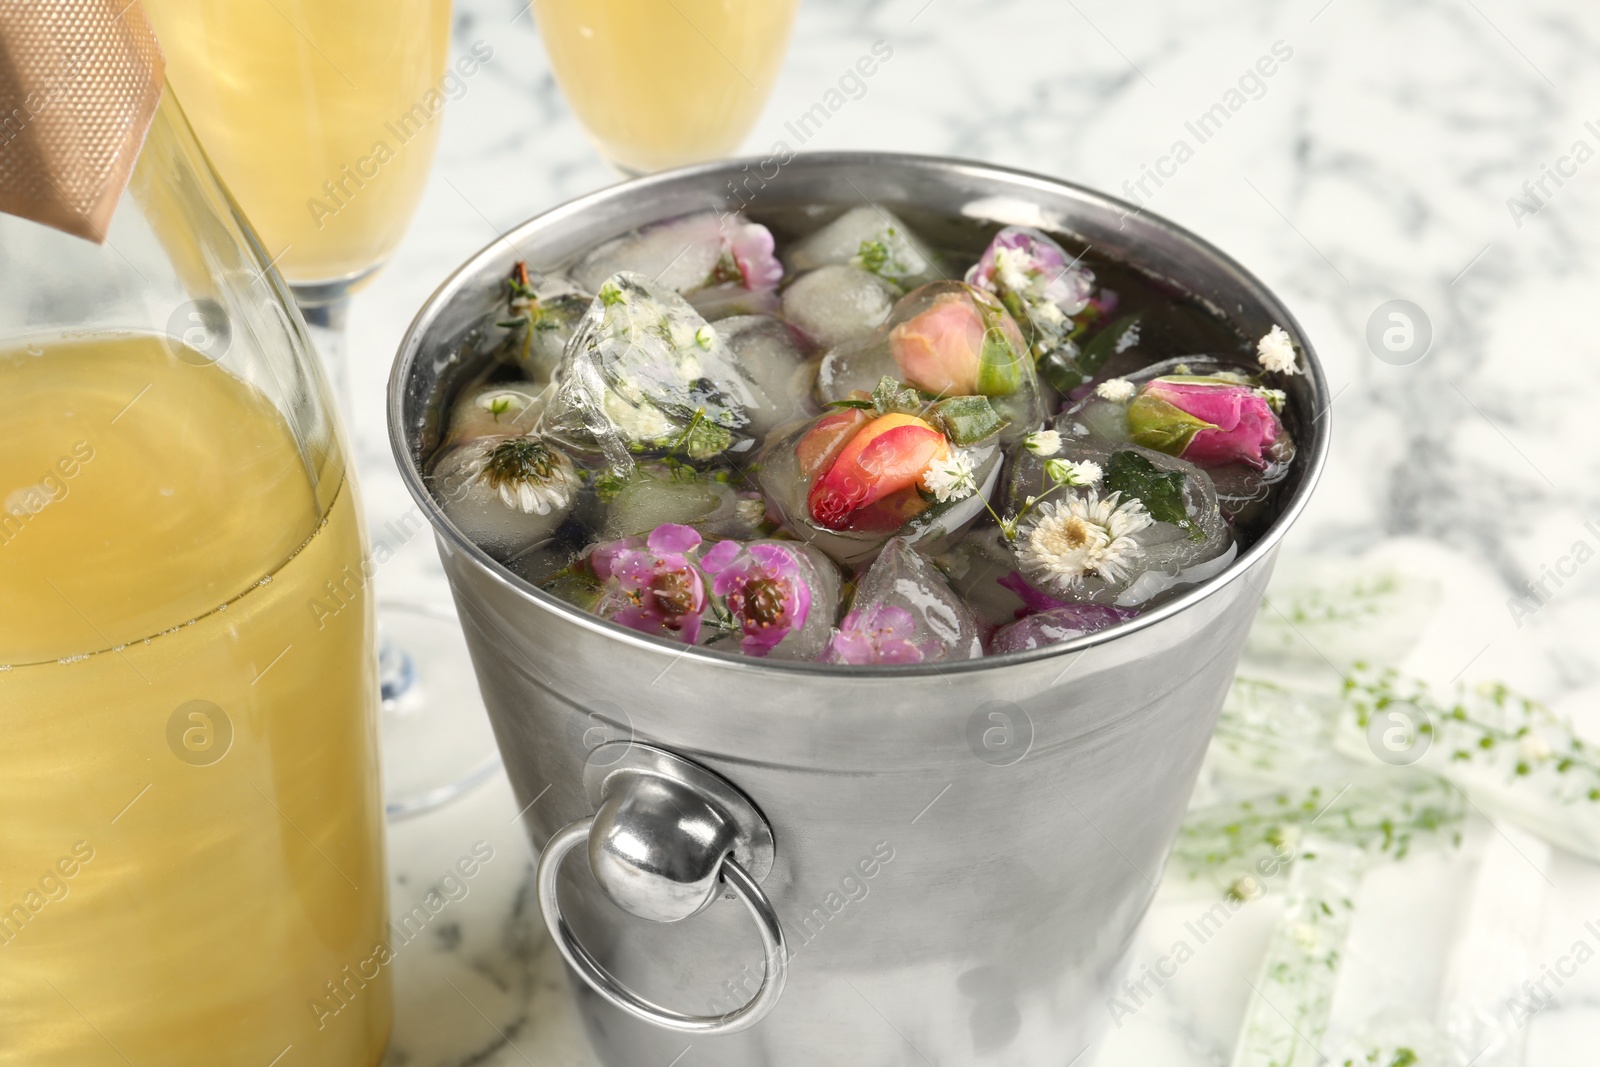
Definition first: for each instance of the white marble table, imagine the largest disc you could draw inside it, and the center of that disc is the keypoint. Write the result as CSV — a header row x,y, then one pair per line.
x,y
1385,157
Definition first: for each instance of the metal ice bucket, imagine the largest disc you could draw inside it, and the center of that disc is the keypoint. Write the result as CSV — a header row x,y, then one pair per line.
x,y
938,864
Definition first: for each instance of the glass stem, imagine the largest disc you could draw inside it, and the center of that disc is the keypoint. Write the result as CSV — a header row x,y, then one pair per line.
x,y
326,323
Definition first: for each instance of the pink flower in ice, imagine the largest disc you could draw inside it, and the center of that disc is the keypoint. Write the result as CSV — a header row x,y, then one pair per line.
x,y
764,590
654,587
881,633
750,245
1029,266
1210,422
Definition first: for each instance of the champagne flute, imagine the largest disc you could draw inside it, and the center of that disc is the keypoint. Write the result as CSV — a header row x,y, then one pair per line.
x,y
322,119
660,83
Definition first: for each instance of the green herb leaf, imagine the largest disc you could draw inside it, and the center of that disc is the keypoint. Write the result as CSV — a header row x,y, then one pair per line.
x,y
967,420
889,396
1059,367
873,256
1161,492
1119,335
859,405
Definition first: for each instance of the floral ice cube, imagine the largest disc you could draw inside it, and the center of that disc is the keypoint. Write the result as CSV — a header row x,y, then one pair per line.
x,y
689,254
777,599
654,494
645,374
858,475
1211,422
650,584
1055,626
1219,419
944,339
1100,523
542,319
770,356
904,612
506,493
838,303
874,240
1039,284
498,409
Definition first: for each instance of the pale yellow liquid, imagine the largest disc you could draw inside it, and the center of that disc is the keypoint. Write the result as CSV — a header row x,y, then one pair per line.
x,y
660,83
320,115
219,898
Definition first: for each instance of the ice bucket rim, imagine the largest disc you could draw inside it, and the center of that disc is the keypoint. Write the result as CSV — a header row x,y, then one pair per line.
x,y
1313,453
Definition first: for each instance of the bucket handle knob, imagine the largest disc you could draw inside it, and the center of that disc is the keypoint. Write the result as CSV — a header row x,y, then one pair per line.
x,y
668,837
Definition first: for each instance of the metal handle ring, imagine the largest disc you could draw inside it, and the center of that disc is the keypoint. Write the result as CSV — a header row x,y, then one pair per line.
x,y
776,971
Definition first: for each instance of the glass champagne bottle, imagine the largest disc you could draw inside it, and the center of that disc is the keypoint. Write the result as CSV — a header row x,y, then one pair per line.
x,y
191,849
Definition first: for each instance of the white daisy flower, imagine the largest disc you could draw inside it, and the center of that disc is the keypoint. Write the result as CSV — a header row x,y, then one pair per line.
x,y
950,478
1116,390
1083,535
1276,352
1066,472
1043,442
528,475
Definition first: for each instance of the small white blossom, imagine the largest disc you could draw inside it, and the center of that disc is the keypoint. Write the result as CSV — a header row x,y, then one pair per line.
x,y
1048,311
1043,442
1275,352
1083,535
681,333
705,336
1066,472
1534,749
1246,887
1116,390
1275,398
1129,338
1306,936
950,478
1014,269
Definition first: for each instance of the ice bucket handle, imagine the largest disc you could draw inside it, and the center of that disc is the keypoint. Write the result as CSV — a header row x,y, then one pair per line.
x,y
668,836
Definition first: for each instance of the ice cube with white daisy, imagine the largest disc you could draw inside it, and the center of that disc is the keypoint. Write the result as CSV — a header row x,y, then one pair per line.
x,y
506,493
1101,523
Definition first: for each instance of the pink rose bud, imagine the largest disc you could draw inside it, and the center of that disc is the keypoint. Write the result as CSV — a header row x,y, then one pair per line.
x,y
1211,422
954,349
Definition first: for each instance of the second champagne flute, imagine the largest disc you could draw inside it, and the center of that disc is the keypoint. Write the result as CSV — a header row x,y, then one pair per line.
x,y
322,119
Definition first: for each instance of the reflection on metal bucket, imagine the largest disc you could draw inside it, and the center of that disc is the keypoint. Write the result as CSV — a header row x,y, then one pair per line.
x,y
942,864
